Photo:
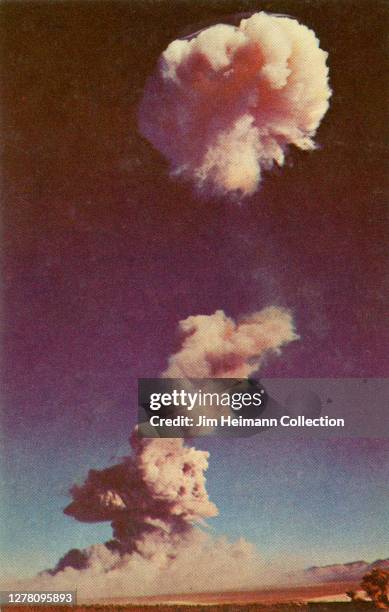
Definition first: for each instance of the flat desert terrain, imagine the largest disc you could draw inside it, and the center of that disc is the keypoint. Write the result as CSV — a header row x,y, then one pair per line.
x,y
291,599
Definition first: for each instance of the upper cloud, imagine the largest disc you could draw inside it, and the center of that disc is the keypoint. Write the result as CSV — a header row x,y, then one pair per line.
x,y
226,103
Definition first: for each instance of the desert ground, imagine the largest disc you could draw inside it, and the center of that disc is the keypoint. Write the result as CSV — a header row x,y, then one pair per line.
x,y
252,607
311,598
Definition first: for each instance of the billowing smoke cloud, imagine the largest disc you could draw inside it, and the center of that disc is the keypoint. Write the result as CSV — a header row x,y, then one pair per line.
x,y
156,499
159,491
214,346
199,563
225,104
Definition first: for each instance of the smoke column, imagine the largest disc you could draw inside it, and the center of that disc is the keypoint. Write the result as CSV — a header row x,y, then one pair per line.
x,y
214,346
156,499
225,104
154,496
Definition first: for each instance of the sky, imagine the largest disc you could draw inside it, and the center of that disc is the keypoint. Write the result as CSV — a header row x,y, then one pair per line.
x,y
104,254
